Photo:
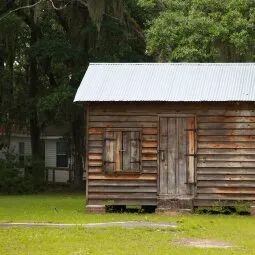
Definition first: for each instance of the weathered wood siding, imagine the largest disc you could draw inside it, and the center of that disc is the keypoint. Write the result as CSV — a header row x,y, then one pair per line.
x,y
129,187
225,141
226,157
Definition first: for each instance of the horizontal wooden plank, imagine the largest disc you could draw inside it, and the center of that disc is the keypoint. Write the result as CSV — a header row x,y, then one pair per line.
x,y
149,138
225,177
150,151
226,158
120,183
98,137
95,150
122,201
149,157
122,195
226,119
122,124
226,196
95,131
222,138
122,176
121,118
149,163
149,145
122,189
226,112
120,111
221,125
227,183
95,163
226,145
218,170
150,131
226,132
221,151
95,156
95,169
150,170
226,190
96,143
122,129
143,108
225,164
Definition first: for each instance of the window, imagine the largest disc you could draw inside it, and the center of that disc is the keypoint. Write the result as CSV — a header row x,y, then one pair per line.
x,y
21,154
42,148
62,154
122,151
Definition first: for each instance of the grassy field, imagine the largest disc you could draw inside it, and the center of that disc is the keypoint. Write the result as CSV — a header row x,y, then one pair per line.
x,y
239,230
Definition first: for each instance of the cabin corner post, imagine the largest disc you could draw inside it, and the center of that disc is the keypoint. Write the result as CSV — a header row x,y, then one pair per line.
x,y
86,114
89,208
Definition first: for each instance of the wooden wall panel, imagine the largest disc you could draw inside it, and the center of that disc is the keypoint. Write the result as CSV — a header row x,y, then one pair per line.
x,y
122,189
225,151
105,188
226,157
95,150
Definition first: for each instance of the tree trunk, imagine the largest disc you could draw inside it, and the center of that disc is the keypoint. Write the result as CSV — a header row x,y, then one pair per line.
x,y
37,162
1,81
37,167
78,143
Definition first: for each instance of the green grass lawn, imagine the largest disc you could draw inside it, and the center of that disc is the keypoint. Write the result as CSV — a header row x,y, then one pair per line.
x,y
239,230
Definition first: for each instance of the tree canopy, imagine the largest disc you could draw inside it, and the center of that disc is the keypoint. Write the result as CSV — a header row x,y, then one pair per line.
x,y
46,46
203,31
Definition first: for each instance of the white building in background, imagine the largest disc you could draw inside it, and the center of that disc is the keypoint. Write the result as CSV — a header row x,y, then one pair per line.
x,y
56,152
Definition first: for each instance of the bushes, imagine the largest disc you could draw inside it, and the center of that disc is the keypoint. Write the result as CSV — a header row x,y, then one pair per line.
x,y
14,180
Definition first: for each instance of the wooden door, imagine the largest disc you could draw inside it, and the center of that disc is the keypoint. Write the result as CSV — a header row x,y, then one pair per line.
x,y
176,156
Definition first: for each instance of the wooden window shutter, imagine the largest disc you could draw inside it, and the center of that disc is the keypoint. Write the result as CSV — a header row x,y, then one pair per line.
x,y
112,146
131,151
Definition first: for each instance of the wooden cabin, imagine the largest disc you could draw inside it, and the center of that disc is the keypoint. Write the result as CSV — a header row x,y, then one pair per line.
x,y
169,135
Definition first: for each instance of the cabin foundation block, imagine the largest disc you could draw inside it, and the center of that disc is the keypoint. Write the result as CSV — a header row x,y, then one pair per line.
x,y
252,210
95,208
175,205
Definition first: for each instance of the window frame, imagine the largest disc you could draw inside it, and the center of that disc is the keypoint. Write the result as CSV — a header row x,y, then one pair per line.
x,y
121,170
21,155
61,154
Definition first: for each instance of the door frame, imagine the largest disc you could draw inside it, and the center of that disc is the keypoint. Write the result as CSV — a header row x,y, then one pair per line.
x,y
179,115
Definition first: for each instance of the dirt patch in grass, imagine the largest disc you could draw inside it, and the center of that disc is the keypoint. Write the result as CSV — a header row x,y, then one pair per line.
x,y
204,243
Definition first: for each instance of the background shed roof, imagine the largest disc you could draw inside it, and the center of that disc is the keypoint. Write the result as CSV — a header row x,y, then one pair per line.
x,y
169,82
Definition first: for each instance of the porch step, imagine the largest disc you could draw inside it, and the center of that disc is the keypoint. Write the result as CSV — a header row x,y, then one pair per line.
x,y
175,205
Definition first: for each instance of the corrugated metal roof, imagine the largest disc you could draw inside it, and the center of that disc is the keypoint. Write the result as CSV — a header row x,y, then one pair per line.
x,y
170,82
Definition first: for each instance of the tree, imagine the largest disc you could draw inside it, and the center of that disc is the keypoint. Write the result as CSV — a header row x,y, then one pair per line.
x,y
13,36
203,31
62,37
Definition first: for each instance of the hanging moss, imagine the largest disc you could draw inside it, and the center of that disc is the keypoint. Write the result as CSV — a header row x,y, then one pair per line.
x,y
98,8
96,11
